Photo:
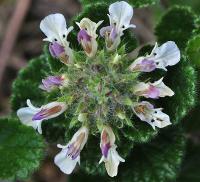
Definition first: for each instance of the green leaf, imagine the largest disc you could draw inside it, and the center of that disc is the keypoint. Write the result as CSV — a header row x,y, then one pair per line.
x,y
177,24
182,79
156,161
96,13
21,149
193,50
191,164
134,3
191,121
141,132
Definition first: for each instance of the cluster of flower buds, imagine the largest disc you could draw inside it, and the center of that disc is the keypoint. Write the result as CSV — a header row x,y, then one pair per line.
x,y
55,28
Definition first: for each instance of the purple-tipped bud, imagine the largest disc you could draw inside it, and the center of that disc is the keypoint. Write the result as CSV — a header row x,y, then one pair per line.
x,y
83,35
56,49
51,82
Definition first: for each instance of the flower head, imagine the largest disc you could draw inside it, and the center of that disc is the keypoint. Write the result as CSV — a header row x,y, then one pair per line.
x,y
33,116
120,15
154,116
52,82
55,28
109,154
67,159
87,36
152,90
168,54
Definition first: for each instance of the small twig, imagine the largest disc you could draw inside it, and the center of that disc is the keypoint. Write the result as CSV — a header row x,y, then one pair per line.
x,y
11,34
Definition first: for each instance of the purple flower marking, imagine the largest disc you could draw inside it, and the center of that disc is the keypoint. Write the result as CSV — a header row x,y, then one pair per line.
x,y
72,151
51,82
40,115
104,149
111,31
83,35
153,92
56,49
147,65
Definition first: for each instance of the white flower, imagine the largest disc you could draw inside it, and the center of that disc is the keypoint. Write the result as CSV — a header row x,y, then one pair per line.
x,y
152,90
109,154
168,54
55,28
120,15
154,116
67,159
33,116
87,36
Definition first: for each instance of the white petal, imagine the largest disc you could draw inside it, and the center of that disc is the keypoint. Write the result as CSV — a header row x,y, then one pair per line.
x,y
112,162
25,115
141,88
102,159
65,163
168,54
163,89
144,116
161,119
121,13
54,27
30,105
61,146
154,117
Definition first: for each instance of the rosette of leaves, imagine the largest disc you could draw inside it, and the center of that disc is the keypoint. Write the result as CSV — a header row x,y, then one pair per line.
x,y
149,157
